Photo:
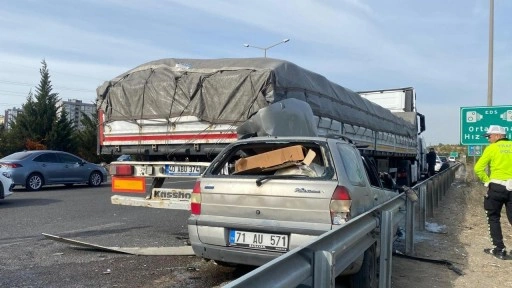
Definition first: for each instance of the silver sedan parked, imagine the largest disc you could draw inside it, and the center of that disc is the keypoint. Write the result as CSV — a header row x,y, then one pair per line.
x,y
34,169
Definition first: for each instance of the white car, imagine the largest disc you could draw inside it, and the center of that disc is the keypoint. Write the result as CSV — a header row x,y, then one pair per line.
x,y
451,158
6,183
438,165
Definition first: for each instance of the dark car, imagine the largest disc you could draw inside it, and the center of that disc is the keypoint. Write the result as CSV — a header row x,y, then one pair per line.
x,y
34,169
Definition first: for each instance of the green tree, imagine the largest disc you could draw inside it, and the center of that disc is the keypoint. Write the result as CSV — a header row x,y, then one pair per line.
x,y
87,140
39,126
86,137
61,137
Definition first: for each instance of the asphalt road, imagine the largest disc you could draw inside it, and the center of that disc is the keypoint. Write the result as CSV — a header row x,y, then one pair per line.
x,y
27,259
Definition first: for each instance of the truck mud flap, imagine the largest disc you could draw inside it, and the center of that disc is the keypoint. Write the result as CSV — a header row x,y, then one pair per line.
x,y
147,251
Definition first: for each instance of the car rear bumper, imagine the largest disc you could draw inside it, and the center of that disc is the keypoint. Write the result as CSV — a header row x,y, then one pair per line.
x,y
229,254
5,190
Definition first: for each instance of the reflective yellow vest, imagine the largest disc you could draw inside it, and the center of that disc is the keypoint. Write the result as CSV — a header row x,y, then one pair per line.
x,y
499,157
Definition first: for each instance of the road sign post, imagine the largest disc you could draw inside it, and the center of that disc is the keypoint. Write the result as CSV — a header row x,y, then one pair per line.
x,y
474,122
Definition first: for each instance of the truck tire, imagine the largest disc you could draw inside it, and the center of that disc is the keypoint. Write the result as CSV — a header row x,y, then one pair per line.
x,y
366,277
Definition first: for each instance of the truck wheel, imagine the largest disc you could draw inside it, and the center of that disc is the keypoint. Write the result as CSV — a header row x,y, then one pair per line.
x,y
34,182
366,277
95,179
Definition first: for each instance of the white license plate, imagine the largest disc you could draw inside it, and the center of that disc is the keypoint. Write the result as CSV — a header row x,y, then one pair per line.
x,y
266,241
182,170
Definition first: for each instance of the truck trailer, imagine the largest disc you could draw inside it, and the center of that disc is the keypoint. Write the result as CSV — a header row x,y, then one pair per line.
x,y
175,115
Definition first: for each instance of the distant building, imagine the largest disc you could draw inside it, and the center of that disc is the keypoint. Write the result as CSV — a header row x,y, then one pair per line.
x,y
10,115
74,109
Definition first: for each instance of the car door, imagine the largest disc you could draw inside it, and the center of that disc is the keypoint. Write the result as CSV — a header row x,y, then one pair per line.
x,y
49,165
72,168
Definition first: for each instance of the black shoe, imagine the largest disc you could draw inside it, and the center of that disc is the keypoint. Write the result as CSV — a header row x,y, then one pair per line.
x,y
498,253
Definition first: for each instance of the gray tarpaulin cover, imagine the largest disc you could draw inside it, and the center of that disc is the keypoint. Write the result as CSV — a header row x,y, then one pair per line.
x,y
232,90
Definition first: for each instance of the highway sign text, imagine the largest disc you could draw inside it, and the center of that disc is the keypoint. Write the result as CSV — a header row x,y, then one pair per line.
x,y
474,122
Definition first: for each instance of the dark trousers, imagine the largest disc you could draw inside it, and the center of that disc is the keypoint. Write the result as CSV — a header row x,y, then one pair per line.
x,y
431,170
496,197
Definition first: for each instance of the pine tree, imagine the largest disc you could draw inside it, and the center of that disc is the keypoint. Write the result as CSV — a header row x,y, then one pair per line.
x,y
61,137
39,125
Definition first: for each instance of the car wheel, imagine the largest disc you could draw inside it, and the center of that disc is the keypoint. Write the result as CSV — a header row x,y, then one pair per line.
x,y
34,182
366,277
95,179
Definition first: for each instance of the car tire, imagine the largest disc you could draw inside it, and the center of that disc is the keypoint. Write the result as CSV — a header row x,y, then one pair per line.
x,y
34,182
366,277
95,179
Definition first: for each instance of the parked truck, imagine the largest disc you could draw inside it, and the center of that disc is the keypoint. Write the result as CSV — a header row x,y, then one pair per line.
x,y
175,115
402,102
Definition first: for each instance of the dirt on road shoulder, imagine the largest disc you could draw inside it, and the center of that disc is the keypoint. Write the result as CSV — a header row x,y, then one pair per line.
x,y
460,239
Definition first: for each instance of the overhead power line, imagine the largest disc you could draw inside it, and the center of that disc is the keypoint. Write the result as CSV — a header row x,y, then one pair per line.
x,y
57,87
51,70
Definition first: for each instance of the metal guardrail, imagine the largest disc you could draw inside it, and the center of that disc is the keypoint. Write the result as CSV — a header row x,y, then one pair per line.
x,y
318,263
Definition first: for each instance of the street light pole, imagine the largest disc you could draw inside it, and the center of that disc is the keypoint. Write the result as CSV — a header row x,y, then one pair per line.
x,y
491,50
266,48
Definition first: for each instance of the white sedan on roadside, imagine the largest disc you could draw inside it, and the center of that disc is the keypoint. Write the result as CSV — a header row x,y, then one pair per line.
x,y
6,184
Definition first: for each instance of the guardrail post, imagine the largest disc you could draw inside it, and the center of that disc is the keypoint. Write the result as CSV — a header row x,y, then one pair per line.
x,y
435,193
422,207
323,269
409,227
440,191
430,198
447,182
386,243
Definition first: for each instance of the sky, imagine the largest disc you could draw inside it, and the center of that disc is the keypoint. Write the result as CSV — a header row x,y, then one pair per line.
x,y
441,48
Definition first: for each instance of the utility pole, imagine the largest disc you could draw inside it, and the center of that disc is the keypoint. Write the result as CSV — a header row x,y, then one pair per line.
x,y
491,50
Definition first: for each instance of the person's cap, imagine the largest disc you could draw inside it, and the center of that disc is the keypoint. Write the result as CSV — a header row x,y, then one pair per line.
x,y
495,129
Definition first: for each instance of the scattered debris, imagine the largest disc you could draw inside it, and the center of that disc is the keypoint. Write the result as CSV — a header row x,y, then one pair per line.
x,y
435,228
153,251
434,261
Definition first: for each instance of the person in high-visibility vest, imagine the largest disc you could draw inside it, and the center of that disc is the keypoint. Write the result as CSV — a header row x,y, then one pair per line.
x,y
498,155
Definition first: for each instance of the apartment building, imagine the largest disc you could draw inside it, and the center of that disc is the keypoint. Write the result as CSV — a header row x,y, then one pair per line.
x,y
10,115
74,109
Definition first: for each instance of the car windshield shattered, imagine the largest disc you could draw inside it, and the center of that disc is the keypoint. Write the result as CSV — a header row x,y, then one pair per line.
x,y
275,160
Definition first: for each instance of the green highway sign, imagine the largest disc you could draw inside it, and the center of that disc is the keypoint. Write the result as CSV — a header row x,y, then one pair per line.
x,y
474,122
474,150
